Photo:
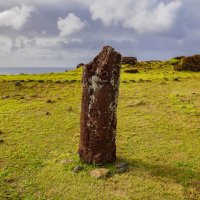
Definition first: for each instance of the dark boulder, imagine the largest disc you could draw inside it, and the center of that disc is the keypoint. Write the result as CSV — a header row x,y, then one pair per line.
x,y
17,83
190,63
49,101
132,71
129,60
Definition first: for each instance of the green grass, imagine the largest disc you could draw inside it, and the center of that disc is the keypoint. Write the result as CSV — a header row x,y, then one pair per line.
x,y
158,135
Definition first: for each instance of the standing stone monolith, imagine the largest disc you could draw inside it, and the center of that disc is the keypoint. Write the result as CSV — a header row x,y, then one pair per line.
x,y
98,109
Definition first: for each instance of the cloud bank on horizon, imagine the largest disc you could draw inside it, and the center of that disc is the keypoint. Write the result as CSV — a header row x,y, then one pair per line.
x,y
64,33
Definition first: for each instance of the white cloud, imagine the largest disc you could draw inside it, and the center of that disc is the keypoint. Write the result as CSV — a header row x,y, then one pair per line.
x,y
69,25
16,17
144,16
58,3
22,51
6,44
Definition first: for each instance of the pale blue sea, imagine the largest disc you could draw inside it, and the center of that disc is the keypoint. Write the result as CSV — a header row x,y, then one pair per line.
x,y
38,70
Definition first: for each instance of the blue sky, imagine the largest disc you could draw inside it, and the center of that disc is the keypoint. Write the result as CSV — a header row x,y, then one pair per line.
x,y
63,33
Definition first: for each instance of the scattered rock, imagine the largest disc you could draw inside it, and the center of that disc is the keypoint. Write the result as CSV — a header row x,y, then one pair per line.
x,y
140,103
129,60
5,97
133,81
1,141
35,96
40,81
69,109
77,168
130,105
122,170
163,83
141,81
49,101
131,71
80,65
17,83
166,79
121,164
100,173
148,81
176,79
47,113
10,180
66,161
121,167
72,81
77,135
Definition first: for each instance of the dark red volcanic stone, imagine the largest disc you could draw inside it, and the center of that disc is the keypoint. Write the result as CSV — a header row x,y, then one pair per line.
x,y
129,60
98,109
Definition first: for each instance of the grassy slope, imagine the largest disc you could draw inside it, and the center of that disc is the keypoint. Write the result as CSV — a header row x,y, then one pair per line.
x,y
158,134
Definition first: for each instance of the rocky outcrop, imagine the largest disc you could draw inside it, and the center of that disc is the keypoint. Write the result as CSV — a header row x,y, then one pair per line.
x,y
80,65
132,71
190,63
179,57
129,60
98,110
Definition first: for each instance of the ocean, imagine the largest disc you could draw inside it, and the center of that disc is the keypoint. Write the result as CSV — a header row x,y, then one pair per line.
x,y
17,70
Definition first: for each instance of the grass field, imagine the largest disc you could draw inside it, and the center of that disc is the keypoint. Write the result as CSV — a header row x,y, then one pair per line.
x,y
158,135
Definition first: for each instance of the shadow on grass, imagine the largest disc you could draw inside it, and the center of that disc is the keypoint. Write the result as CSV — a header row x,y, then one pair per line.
x,y
185,176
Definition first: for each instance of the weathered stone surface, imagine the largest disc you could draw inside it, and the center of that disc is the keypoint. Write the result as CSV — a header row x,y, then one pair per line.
x,y
121,167
122,170
98,110
77,168
100,173
129,60
121,164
